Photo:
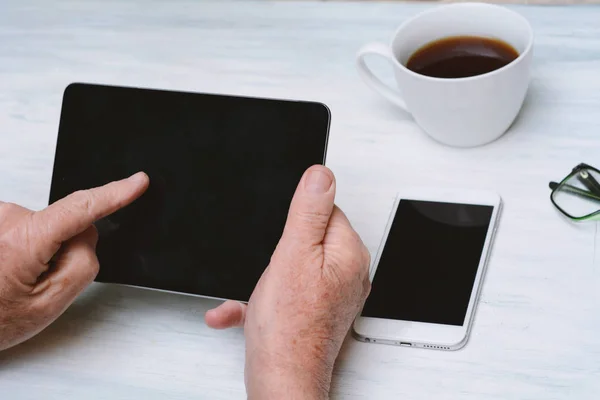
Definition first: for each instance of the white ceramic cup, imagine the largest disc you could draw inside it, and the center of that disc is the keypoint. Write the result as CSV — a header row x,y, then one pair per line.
x,y
462,112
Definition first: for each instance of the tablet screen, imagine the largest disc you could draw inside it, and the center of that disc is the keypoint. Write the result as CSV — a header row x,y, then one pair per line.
x,y
222,173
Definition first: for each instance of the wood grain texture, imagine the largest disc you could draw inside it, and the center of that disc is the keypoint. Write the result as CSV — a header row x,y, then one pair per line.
x,y
536,334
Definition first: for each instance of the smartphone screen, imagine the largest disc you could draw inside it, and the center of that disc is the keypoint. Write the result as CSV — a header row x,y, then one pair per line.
x,y
429,262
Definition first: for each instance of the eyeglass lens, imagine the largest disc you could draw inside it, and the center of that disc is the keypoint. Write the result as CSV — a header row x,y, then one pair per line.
x,y
579,195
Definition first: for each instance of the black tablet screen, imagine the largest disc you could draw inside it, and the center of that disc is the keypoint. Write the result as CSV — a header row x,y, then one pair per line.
x,y
222,173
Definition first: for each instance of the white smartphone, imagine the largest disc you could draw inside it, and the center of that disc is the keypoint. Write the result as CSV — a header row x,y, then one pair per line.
x,y
429,269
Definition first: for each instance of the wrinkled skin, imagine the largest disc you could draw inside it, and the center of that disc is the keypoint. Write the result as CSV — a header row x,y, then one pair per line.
x,y
297,317
305,301
48,257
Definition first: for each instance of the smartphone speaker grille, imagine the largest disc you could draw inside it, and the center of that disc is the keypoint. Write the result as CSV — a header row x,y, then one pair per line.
x,y
436,347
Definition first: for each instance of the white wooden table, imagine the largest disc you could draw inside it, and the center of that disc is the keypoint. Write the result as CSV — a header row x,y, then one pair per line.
x,y
537,330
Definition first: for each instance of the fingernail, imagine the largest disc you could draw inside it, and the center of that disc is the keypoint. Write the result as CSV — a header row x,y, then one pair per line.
x,y
317,182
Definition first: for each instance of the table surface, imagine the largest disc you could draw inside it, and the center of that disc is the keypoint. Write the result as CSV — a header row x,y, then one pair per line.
x,y
537,325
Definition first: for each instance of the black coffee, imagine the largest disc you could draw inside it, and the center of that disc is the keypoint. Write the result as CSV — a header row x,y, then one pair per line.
x,y
461,56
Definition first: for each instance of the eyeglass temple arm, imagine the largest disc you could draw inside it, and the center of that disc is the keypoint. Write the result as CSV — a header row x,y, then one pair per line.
x,y
575,190
589,181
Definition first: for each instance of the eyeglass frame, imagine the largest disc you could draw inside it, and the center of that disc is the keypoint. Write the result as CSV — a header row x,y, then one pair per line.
x,y
555,186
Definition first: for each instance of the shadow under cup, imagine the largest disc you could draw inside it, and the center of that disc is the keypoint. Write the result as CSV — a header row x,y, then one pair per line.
x,y
463,112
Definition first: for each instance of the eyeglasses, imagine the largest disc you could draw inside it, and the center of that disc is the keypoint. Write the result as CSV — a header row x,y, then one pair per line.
x,y
578,195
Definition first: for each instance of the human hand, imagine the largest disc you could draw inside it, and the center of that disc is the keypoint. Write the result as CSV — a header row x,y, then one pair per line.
x,y
48,257
306,300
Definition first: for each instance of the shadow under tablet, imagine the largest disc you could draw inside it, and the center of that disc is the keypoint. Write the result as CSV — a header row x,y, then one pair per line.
x,y
222,173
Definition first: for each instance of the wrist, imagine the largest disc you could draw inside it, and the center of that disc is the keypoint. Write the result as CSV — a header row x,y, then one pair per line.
x,y
275,377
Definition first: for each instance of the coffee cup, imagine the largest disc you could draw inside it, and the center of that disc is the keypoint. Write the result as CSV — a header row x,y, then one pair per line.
x,y
466,111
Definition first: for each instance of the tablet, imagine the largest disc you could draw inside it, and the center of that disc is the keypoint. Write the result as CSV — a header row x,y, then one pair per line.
x,y
222,170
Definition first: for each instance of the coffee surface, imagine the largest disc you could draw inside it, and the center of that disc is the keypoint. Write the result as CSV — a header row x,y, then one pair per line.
x,y
461,57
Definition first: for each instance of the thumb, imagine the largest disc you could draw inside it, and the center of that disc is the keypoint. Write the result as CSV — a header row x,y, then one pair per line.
x,y
311,206
228,315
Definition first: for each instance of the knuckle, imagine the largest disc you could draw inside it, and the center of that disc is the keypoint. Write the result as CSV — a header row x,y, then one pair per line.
x,y
92,267
366,256
93,273
84,200
366,287
358,254
314,218
8,208
47,309
41,308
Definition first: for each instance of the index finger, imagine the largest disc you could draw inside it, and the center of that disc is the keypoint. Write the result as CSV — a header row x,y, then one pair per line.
x,y
75,213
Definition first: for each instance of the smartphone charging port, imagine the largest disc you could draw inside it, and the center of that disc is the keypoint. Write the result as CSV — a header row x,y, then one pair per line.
x,y
406,344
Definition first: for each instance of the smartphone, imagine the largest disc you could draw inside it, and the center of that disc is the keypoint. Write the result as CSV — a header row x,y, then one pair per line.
x,y
429,269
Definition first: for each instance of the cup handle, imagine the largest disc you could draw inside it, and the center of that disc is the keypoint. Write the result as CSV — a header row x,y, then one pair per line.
x,y
369,77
